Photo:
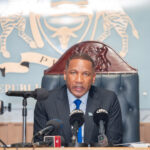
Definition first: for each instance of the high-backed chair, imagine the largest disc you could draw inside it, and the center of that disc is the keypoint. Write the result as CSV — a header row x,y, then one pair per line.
x,y
113,73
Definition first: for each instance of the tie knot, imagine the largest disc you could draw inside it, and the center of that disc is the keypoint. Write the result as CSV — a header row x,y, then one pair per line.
x,y
77,102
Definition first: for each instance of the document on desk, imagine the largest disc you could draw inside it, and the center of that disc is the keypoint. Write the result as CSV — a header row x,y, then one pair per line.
x,y
134,144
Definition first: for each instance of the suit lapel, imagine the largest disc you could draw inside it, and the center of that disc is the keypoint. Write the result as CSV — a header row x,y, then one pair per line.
x,y
92,104
63,109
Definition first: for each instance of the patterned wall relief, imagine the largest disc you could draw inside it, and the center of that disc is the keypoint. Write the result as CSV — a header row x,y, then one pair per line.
x,y
52,34
59,35
119,22
8,24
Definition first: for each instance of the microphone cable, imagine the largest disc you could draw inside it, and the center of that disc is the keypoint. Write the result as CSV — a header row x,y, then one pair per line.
x,y
4,145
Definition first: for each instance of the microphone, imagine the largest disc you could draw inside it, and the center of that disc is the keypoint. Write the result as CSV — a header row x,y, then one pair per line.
x,y
39,93
100,117
4,145
51,126
76,121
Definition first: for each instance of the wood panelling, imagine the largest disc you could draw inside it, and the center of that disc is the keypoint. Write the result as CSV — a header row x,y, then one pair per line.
x,y
145,132
12,132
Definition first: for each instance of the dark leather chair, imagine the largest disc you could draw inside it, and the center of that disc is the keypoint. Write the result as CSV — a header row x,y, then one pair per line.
x,y
113,73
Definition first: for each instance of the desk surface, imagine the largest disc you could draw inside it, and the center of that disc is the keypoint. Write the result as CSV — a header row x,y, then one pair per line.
x,y
80,148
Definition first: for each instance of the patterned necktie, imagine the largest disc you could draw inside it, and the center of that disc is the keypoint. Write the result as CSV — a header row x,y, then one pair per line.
x,y
78,102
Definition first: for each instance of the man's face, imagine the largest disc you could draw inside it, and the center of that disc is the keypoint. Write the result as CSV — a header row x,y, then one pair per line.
x,y
79,76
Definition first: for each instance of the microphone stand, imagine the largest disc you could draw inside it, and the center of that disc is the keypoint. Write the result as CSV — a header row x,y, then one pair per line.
x,y
24,125
102,138
24,116
74,138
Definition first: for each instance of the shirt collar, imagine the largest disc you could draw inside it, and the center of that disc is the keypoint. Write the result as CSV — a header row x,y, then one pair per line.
x,y
71,97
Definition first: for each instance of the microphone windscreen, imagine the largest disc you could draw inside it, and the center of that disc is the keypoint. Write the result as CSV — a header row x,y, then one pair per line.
x,y
100,114
41,94
77,116
56,123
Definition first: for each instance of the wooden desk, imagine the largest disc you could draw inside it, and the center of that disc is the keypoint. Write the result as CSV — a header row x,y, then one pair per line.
x,y
78,148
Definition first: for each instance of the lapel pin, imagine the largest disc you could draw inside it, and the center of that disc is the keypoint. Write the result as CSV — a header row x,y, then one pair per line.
x,y
90,114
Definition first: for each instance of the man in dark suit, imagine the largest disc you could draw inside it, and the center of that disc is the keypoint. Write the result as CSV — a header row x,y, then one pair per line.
x,y
79,76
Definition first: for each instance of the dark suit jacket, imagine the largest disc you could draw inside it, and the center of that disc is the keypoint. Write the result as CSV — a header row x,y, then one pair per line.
x,y
57,106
